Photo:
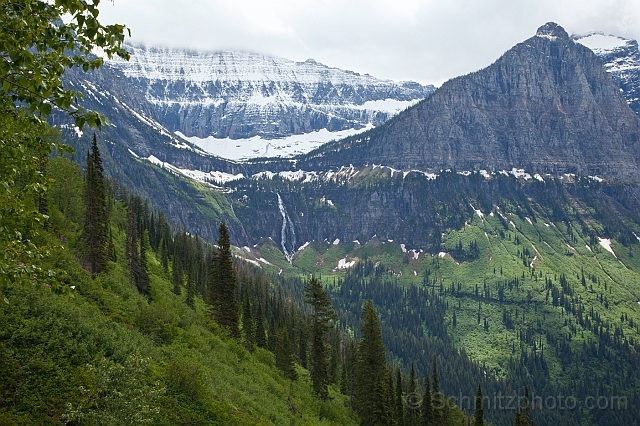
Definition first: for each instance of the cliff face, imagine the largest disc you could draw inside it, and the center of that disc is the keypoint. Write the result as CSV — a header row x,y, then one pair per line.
x,y
240,94
547,104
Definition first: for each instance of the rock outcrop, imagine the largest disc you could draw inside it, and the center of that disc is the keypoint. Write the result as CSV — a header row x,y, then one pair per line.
x,y
547,105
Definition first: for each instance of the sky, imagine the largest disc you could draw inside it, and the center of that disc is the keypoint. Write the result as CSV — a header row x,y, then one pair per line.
x,y
428,41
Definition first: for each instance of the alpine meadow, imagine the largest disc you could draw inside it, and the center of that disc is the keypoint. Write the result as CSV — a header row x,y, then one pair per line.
x,y
194,237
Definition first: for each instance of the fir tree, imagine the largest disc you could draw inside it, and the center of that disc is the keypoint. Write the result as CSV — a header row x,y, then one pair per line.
x,y
411,392
370,366
96,222
191,284
322,316
334,361
248,324
523,417
399,403
380,409
261,338
133,255
142,282
391,403
426,414
438,400
272,337
223,285
302,348
284,356
177,276
479,414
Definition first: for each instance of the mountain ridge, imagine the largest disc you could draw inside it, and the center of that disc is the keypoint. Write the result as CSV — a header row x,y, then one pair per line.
x,y
243,94
547,104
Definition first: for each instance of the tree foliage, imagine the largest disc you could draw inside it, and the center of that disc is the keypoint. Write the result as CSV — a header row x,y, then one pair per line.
x,y
323,315
370,368
36,47
96,220
222,281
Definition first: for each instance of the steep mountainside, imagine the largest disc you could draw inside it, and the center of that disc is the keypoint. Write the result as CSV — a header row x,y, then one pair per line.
x,y
240,95
547,105
621,58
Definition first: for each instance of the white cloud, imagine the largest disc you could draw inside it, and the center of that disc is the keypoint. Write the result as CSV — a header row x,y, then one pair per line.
x,y
424,40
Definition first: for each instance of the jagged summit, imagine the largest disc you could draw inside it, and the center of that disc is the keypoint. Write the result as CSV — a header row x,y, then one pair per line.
x,y
552,29
547,105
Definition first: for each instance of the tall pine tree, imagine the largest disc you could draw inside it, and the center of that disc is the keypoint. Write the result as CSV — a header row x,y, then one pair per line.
x,y
322,316
261,338
96,222
399,401
133,253
411,392
426,414
223,285
370,367
436,397
248,324
284,355
143,278
479,414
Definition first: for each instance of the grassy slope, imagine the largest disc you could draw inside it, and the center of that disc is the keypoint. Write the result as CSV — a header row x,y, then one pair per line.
x,y
552,251
188,371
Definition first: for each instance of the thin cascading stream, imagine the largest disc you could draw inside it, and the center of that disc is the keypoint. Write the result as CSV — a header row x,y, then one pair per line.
x,y
288,234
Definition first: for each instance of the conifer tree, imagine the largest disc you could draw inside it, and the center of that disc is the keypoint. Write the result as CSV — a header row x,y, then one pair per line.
x,y
380,409
302,348
191,284
223,284
334,360
142,282
284,356
411,391
96,222
248,324
391,402
426,410
523,416
322,316
272,337
438,400
479,413
133,255
261,338
399,403
177,275
370,366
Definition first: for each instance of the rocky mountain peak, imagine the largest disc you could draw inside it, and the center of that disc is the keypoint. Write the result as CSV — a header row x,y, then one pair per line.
x,y
551,29
547,105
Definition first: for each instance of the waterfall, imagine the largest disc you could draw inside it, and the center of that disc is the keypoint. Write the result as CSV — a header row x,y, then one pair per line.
x,y
287,225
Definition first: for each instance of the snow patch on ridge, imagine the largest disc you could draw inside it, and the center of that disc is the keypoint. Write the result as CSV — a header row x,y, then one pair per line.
x,y
606,243
256,146
343,264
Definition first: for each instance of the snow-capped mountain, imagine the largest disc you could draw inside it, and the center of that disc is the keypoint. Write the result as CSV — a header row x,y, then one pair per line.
x,y
621,57
235,104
